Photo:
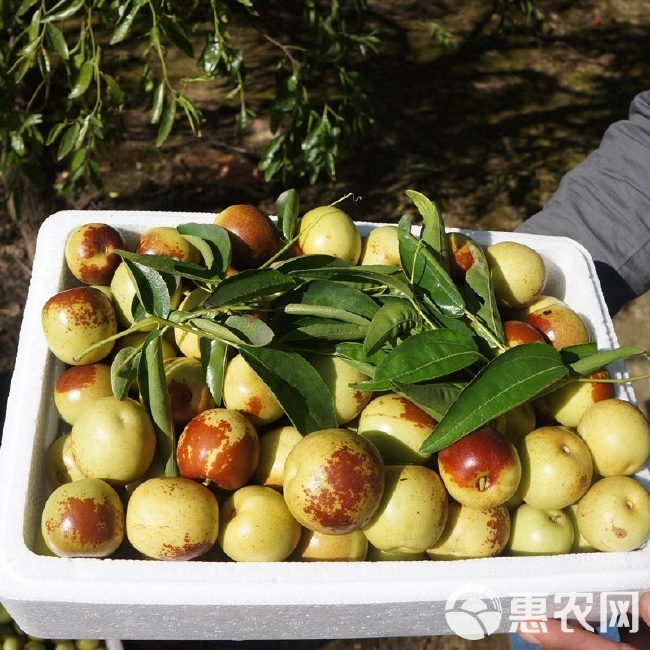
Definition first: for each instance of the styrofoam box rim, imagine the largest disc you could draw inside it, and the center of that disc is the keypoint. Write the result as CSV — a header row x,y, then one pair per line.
x,y
28,580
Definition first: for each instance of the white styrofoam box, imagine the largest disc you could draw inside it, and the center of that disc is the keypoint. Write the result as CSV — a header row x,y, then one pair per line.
x,y
138,599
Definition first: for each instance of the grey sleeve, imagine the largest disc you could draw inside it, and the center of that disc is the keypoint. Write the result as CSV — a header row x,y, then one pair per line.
x,y
604,204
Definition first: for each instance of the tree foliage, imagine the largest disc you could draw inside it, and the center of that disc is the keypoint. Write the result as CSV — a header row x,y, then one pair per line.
x,y
62,94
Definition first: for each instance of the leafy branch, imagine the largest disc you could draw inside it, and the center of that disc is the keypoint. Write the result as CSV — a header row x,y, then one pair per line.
x,y
452,363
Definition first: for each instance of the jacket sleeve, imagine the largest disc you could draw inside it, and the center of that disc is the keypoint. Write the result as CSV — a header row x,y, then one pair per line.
x,y
604,204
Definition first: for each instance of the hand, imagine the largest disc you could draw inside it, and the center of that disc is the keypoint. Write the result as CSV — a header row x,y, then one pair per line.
x,y
556,639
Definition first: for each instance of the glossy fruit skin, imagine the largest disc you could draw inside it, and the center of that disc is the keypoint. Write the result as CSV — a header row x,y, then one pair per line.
x,y
275,446
472,533
412,512
568,403
381,246
84,518
333,481
397,427
90,252
481,470
166,240
517,332
327,230
256,526
614,514
340,378
517,422
540,302
245,392
74,320
113,440
172,519
556,468
560,325
618,436
580,544
518,273
253,236
189,343
79,386
60,466
188,391
461,256
319,547
534,531
221,445
123,290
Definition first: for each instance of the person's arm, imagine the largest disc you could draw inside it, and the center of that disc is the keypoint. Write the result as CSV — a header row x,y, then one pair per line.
x,y
604,204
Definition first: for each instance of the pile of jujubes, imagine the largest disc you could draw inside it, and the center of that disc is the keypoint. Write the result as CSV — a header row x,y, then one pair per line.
x,y
257,389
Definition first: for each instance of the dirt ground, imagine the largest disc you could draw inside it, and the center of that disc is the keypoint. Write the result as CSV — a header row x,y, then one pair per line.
x,y
486,129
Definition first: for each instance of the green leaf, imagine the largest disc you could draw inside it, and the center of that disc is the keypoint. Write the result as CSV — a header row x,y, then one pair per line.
x,y
213,243
83,80
379,276
308,262
317,329
68,141
17,143
514,377
114,90
295,383
395,319
176,34
166,265
353,353
287,208
57,40
210,57
158,103
252,330
433,398
153,289
25,6
124,371
587,365
63,10
123,26
215,330
328,294
433,227
248,285
572,353
424,270
55,132
481,301
155,397
214,358
166,124
423,357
